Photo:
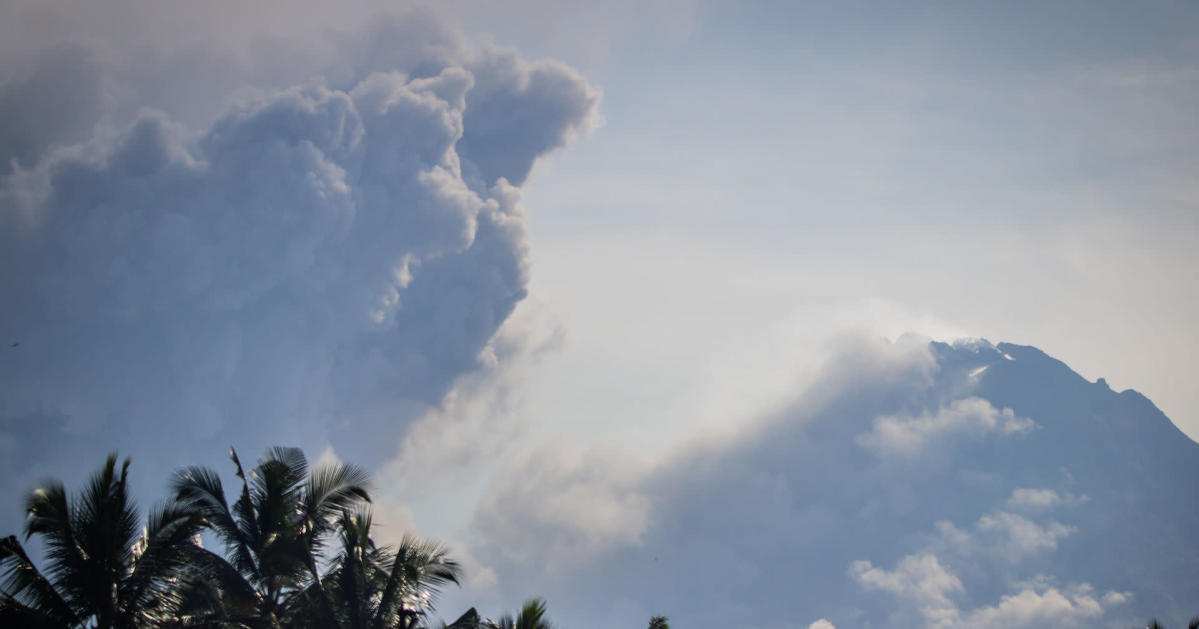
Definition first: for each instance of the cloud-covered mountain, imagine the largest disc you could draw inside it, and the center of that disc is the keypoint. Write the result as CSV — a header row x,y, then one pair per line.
x,y
242,238
915,484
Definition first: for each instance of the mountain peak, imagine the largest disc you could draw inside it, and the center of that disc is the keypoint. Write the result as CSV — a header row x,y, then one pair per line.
x,y
975,344
990,487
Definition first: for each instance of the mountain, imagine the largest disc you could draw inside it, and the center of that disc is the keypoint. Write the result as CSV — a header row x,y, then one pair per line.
x,y
917,484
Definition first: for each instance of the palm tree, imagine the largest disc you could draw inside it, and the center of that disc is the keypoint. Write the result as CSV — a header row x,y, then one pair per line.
x,y
469,620
274,534
379,587
659,622
1153,624
531,616
102,571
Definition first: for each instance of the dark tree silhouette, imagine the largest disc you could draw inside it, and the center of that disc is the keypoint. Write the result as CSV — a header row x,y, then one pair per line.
x,y
531,616
298,552
379,587
101,570
274,534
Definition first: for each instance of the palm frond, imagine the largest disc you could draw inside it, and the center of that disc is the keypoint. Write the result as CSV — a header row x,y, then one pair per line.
x,y
15,614
418,571
531,616
279,476
244,509
332,489
166,560
214,589
200,489
469,620
105,523
291,458
49,516
26,593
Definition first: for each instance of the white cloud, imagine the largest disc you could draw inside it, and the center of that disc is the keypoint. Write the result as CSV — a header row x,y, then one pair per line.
x,y
972,417
1018,536
922,582
821,624
559,508
997,541
440,467
1033,499
1031,608
1004,535
1116,598
328,456
921,578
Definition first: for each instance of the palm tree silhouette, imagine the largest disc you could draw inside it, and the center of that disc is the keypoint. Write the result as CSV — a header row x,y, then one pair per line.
x,y
274,534
380,587
531,616
103,571
1154,624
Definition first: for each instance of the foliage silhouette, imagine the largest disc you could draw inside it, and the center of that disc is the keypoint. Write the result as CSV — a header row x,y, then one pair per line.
x,y
101,570
531,616
275,533
297,545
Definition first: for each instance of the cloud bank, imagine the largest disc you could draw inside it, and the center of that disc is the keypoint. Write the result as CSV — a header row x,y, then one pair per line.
x,y
320,264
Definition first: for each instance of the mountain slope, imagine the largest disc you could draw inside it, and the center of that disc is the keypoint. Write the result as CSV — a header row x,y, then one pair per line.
x,y
1139,470
916,484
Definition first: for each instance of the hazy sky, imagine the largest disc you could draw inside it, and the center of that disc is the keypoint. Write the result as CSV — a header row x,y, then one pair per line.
x,y
1020,173
484,229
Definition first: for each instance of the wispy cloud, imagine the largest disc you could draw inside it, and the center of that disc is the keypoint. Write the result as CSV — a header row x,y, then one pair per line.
x,y
971,418
922,582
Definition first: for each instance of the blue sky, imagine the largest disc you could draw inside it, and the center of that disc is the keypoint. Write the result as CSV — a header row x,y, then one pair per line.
x,y
225,222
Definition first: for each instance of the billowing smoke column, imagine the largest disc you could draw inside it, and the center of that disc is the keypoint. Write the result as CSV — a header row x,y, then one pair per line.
x,y
317,266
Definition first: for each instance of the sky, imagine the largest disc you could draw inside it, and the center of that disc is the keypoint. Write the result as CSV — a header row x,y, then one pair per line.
x,y
448,240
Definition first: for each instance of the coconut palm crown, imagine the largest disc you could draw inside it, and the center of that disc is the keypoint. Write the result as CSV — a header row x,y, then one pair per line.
x,y
384,587
102,570
531,616
274,534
